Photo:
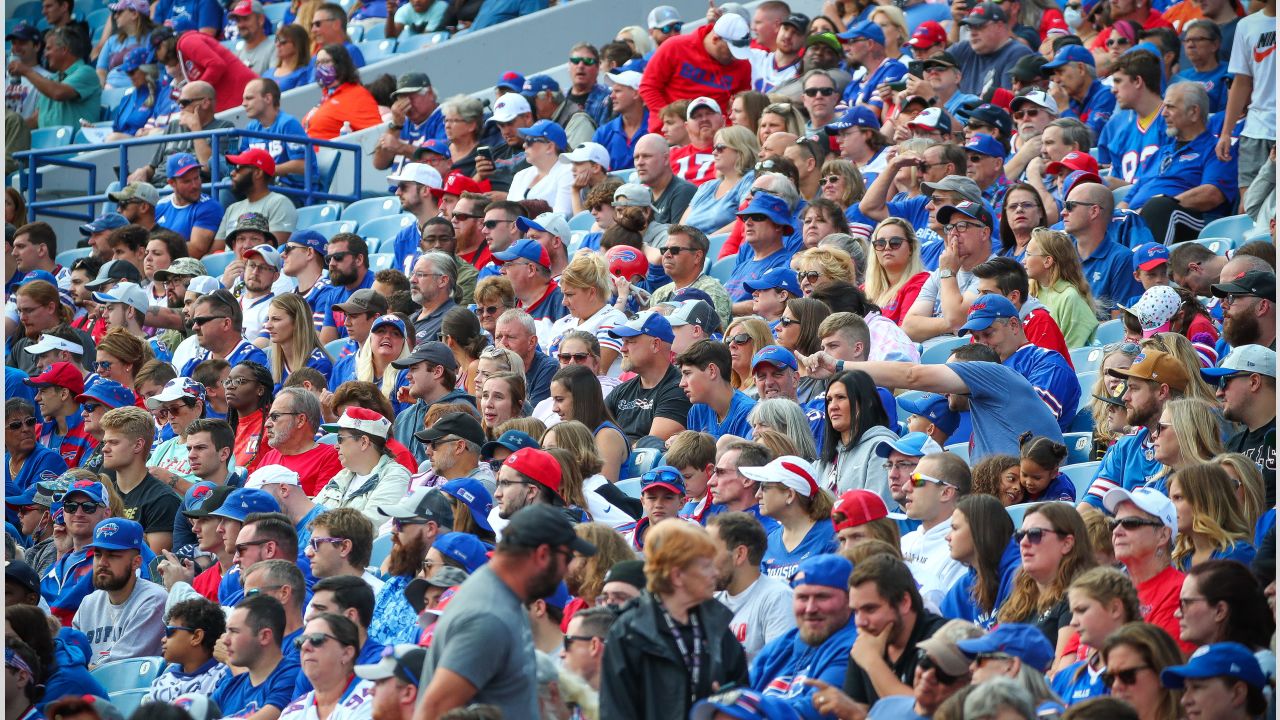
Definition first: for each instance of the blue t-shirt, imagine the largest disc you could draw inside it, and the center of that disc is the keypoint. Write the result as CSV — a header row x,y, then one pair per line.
x,y
749,267
1128,148
1128,463
864,93
614,138
237,696
1076,683
206,213
282,152
112,57
1176,170
290,80
1095,111
432,128
1214,82
1109,272
895,707
133,112
703,419
184,15
1003,405
1240,551
959,602
709,213
1053,379
1059,488
336,319
782,563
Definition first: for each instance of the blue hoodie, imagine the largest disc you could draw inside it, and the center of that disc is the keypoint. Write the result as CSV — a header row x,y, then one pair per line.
x,y
959,602
71,674
782,666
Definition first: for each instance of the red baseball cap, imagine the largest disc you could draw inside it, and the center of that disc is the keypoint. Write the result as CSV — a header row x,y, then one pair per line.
x,y
59,374
858,507
456,184
255,157
1084,162
927,34
538,465
246,7
1002,98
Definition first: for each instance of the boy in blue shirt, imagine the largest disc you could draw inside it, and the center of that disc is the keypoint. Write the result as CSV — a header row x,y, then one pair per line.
x,y
718,408
254,632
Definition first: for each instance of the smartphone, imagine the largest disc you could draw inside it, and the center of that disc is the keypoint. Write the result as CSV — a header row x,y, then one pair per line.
x,y
485,152
916,67
898,85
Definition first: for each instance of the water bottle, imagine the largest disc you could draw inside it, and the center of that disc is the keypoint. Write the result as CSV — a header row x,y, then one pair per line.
x,y
346,129
13,79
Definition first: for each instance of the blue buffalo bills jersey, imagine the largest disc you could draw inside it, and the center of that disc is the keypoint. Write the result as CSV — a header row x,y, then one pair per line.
x,y
1127,146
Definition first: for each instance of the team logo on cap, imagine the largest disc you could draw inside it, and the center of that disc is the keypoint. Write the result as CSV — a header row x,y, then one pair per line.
x,y
976,307
200,491
108,529
82,483
1139,357
466,495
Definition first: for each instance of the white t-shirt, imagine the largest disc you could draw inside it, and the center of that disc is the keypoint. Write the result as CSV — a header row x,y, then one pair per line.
x,y
1253,54
602,511
761,613
281,215
929,557
765,75
556,188
355,705
599,324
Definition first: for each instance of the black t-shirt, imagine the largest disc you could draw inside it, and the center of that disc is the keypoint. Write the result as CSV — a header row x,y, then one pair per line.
x,y
1053,620
1259,446
152,505
634,408
857,684
669,208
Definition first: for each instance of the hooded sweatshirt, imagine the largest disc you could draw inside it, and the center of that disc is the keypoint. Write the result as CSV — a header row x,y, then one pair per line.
x,y
70,674
858,467
682,69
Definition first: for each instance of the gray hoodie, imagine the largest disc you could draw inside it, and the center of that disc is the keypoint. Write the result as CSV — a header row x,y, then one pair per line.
x,y
859,467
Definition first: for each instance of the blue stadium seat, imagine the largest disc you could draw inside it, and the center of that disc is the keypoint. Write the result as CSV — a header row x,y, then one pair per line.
x,y
1263,235
355,31
716,242
722,270
333,347
1233,226
582,221
381,549
128,674
381,261
643,459
377,50
938,352
1120,193
1085,359
1017,512
111,97
922,12
1087,379
98,20
1083,421
313,214
1081,475
216,263
328,159
364,211
275,12
52,137
960,450
630,486
1079,445
376,32
408,43
66,257
126,701
29,11
626,175
1216,245
330,229
1109,332
381,232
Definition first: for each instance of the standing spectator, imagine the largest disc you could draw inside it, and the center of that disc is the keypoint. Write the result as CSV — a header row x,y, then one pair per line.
x,y
988,56
123,616
1252,69
72,93
343,100
258,52
864,45
191,632
759,602
184,15
1124,144
719,53
1143,532
204,59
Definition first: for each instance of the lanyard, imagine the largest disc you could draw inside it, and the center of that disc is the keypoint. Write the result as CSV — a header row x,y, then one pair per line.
x,y
692,658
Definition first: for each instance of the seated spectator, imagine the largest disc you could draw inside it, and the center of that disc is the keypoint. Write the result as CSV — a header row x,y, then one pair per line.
x,y
416,117
1003,276
343,100
262,107
192,630
717,50
1021,654
684,261
329,27
1210,525
72,93
251,172
369,476
1210,682
328,666
790,495
1075,73
691,135
717,408
546,178
548,103
257,51
292,66
652,403
131,115
621,134
1102,599
255,629
1202,45
198,101
1087,217
290,429
712,206
895,274
980,539
1216,603
25,45
1139,652
528,267
135,630
415,18
765,256
945,298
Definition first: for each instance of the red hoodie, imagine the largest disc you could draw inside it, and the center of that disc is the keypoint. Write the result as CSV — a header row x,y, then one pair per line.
x,y
204,58
681,69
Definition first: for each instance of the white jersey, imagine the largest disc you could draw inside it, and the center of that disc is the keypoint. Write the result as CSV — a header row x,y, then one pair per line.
x,y
929,557
356,704
761,613
1254,54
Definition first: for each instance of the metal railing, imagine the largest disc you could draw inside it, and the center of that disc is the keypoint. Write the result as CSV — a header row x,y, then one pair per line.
x,y
218,178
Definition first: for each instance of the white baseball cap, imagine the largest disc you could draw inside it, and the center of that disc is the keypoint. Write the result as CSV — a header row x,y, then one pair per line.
x,y
1039,98
700,102
272,475
788,470
1149,500
362,420
509,107
128,293
627,78
587,152
269,255
203,284
53,342
420,173
736,33
662,16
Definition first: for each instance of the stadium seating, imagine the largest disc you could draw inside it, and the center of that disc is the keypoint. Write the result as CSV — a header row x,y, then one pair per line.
x,y
361,212
111,98
52,137
1109,332
722,270
126,701
381,549
408,43
128,674
381,261
582,221
66,257
333,347
1079,445
643,459
216,263
275,12
1081,475
630,486
1235,226
1085,359
329,229
381,232
377,50
376,32
960,450
1087,379
938,352
310,215
1083,421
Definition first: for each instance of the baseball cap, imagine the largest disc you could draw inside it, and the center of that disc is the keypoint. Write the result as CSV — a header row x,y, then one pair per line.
x,y
272,475
1029,69
858,507
242,502
472,493
964,186
1078,177
255,222
420,173
1149,500
23,574
790,471
663,476
1244,359
648,323
695,312
828,570
208,502
535,84
362,420
548,222
127,293
943,651
913,444
1075,161
539,524
799,21
512,81
403,660
136,5
700,102
434,352
986,309
1157,366
455,184
203,284
932,119
108,392
984,144
633,195
364,300
1025,642
527,249
1155,309
927,34
176,389
105,221
59,374
184,267
865,29
987,12
1224,659
970,209
143,191
856,116
180,164
459,424
424,502
411,83
510,106
93,490
742,703
625,78
662,16
136,58
24,30
991,115
775,355
246,7
53,342
731,28
1253,282
823,38
545,130
586,152
198,706
779,278
255,157
772,207
1069,54
1149,256
1039,98
195,495
465,548
117,534
512,440
934,408
538,465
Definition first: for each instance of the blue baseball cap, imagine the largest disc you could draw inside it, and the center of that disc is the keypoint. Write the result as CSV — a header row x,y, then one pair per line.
x,y
545,130
856,116
93,490
1149,256
772,207
437,146
243,502
512,440
1025,642
933,408
984,144
1224,659
1068,54
530,250
775,355
136,58
512,81
825,570
663,476
44,275
195,495
914,444
392,320
24,30
105,221
464,548
535,84
743,704
180,164
986,309
648,323
560,598
309,239
117,534
865,29
24,498
1144,46
108,392
472,493
689,292
779,278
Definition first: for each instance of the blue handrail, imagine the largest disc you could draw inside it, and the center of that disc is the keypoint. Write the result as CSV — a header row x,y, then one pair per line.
x,y
58,156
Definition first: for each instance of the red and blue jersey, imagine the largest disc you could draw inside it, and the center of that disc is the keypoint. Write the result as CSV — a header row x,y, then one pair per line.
x,y
784,664
1127,146
1053,379
782,563
1178,167
75,445
1127,464
42,465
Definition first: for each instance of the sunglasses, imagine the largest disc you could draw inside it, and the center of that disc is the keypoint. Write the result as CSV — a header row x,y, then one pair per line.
x,y
809,275
740,339
491,224
755,218
1225,380
339,257
169,630
1033,535
1071,205
1033,112
819,92
582,61
1160,429
919,479
574,357
29,422
926,664
665,476
1128,676
719,148
489,309
88,506
1125,346
315,640
242,548
571,639
463,217
200,321
830,180
398,524
893,243
188,101
102,365
1118,42
788,322
164,412
1132,523
316,542
675,250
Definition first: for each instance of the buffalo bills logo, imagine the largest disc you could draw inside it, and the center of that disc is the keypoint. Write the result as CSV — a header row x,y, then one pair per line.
x,y
200,492
976,307
1238,276
83,484
629,255
108,529
1139,358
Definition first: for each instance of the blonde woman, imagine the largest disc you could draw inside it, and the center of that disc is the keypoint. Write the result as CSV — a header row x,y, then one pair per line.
x,y
1246,477
587,288
745,337
494,360
842,182
1057,279
713,207
294,343
605,502
893,22
1187,434
386,344
1107,406
1210,524
779,117
895,273
822,264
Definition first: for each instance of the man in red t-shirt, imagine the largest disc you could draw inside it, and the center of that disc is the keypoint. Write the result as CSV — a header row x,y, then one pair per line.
x,y
711,62
291,428
1006,276
694,162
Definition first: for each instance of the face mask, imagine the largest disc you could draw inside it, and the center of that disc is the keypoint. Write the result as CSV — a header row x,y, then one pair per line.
x,y
1073,17
326,75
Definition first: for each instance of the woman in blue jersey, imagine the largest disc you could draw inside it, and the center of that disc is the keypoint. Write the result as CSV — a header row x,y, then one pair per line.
x,y
980,540
293,50
294,343
135,108
1102,600
576,395
26,461
713,206
327,650
789,493
1210,524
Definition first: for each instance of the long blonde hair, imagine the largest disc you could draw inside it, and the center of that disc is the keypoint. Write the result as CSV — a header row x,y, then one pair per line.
x,y
880,289
304,341
758,329
1180,348
1099,409
1251,483
1059,247
368,373
1215,514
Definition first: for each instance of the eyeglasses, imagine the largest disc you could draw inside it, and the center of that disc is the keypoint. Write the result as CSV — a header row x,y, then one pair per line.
x,y
315,640
509,483
321,20
808,276
788,322
1160,429
740,339
1071,205
242,548
316,542
1195,40
893,243
463,217
926,663
489,309
338,257
819,92
962,226
199,321
1184,603
571,639
1132,523
102,365
900,466
1225,380
830,180
919,479
1021,207
1128,676
675,250
491,224
88,507
29,422
186,102
275,416
1232,298
169,630
254,267
1028,113
399,524
573,357
1033,535
236,382
588,61
719,148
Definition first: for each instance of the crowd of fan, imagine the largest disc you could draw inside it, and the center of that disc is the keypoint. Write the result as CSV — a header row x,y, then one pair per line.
x,y
657,469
